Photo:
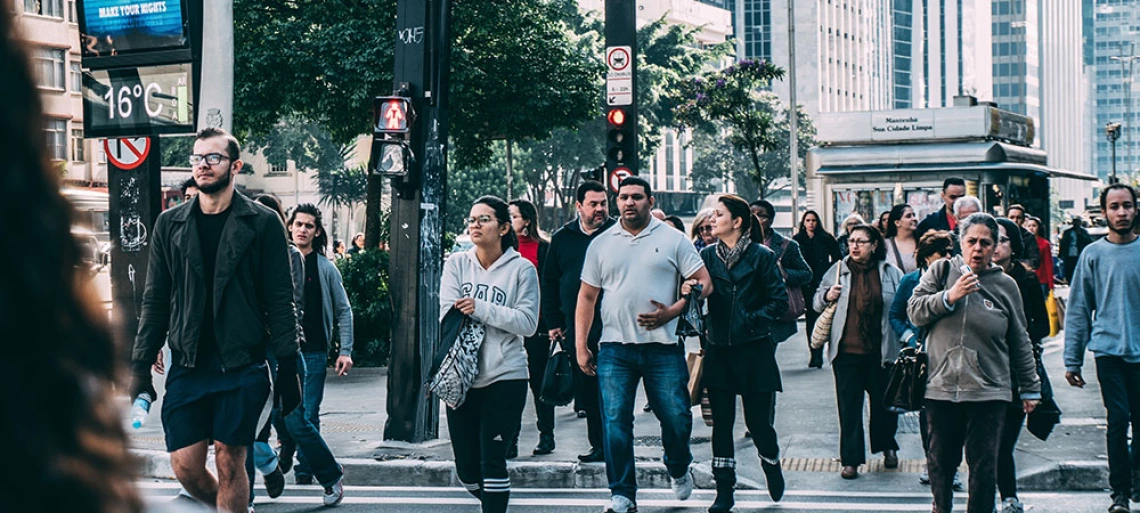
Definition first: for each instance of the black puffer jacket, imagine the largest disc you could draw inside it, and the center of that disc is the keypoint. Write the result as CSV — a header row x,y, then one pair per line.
x,y
747,299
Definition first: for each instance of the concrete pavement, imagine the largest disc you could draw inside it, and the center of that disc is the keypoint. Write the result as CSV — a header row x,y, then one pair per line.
x,y
353,416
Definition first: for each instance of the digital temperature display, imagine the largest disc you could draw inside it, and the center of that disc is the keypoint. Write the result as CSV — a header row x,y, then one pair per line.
x,y
138,101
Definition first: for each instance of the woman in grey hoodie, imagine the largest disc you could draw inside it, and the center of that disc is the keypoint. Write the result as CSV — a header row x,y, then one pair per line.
x,y
976,336
495,286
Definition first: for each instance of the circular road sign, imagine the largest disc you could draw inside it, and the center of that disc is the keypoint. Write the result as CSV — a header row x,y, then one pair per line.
x,y
617,175
617,58
127,153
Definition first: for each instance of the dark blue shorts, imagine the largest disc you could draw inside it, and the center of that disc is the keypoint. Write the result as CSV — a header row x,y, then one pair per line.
x,y
213,406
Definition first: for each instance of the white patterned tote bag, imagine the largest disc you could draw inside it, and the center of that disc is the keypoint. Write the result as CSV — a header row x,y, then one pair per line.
x,y
459,368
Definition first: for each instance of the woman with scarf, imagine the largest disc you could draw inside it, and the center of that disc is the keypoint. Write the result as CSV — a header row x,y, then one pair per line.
x,y
862,345
740,354
821,251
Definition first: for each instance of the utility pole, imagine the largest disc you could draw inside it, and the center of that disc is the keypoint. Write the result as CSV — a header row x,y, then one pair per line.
x,y
216,100
423,50
1128,126
1112,133
793,114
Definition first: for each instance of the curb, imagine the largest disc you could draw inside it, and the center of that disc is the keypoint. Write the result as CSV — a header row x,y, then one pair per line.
x,y
1064,476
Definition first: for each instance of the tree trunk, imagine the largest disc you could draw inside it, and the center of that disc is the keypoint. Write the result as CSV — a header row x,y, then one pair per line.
x,y
373,193
761,182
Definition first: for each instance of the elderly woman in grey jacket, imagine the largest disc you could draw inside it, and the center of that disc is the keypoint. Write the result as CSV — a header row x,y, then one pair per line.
x,y
976,335
862,345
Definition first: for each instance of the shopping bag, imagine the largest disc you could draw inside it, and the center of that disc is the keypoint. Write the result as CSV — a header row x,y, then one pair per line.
x,y
1054,315
558,380
696,370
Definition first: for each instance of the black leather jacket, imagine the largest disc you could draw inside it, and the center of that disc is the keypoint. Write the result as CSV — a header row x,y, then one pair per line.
x,y
746,300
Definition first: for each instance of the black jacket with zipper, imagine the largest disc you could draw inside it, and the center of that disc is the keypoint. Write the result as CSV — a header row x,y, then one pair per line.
x,y
253,288
746,300
562,277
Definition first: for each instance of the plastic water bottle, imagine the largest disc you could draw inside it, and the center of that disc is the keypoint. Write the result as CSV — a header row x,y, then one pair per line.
x,y
140,409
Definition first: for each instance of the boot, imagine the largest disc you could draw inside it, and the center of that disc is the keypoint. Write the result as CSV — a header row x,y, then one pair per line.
x,y
545,444
816,361
725,484
775,477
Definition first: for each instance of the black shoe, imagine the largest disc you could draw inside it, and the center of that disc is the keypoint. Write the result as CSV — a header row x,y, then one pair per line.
x,y
275,482
303,480
816,361
285,454
581,414
647,407
594,456
725,484
545,444
775,477
1119,504
513,450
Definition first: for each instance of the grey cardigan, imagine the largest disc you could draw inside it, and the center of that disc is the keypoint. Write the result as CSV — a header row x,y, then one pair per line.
x,y
334,304
890,276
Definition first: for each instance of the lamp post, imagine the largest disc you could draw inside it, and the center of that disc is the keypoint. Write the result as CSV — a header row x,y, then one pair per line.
x,y
1112,133
1126,70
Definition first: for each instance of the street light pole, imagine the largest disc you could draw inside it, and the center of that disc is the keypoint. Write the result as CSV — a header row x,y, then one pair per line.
x,y
793,114
1128,126
1112,133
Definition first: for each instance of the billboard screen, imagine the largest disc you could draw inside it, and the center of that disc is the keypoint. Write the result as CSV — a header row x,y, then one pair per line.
x,y
110,28
138,101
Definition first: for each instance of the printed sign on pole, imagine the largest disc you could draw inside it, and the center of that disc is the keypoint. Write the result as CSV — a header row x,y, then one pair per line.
x,y
617,176
619,75
127,153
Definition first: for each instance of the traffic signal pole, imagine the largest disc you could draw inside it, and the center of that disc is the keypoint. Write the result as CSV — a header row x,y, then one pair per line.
x,y
423,48
621,91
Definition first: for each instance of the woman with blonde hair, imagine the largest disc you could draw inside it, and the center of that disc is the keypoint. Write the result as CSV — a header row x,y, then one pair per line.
x,y
701,232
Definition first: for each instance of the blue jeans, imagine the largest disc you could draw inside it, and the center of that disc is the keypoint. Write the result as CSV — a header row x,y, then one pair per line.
x,y
312,368
666,377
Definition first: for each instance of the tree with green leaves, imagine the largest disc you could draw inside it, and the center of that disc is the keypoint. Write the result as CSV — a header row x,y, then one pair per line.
x,y
516,73
717,160
734,96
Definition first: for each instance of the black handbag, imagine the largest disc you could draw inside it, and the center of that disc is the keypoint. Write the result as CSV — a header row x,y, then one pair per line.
x,y
906,386
558,381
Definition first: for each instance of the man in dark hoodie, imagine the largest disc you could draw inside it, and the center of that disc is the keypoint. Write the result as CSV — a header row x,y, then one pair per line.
x,y
560,283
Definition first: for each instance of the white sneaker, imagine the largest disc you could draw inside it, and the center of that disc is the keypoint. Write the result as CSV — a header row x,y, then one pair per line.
x,y
1012,505
683,486
335,493
620,504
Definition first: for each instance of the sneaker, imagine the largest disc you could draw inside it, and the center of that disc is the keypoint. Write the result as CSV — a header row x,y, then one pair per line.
x,y
957,482
620,504
1119,504
1012,505
275,483
334,494
924,477
683,486
285,454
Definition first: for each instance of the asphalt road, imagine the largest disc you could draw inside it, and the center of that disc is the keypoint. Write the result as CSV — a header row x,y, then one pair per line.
x,y
424,499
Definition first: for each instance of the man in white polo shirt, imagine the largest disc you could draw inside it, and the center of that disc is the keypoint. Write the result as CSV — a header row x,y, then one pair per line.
x,y
639,264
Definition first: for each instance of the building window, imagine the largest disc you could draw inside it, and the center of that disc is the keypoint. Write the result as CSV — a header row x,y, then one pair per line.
x,y
78,150
72,12
49,8
49,67
57,139
670,171
275,170
76,76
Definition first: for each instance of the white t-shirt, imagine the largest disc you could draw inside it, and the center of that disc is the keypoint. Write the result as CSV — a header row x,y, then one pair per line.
x,y
631,271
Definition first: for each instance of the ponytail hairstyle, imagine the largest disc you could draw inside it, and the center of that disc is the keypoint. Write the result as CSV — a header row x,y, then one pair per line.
x,y
503,216
739,209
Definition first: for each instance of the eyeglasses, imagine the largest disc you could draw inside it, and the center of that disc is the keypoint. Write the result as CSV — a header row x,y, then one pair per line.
x,y
706,228
858,242
212,159
480,220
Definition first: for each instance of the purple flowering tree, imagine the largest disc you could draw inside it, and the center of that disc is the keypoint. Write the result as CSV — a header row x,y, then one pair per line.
x,y
730,101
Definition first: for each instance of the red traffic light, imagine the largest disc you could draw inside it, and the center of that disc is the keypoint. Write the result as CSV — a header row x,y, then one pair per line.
x,y
616,117
393,114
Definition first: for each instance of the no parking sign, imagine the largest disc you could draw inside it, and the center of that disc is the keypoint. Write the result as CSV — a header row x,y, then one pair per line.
x,y
127,153
617,175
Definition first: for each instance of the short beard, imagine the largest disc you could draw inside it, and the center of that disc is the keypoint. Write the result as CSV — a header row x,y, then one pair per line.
x,y
1126,231
220,184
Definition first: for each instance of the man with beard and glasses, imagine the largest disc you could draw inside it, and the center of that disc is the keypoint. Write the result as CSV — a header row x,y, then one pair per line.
x,y
1102,319
638,265
219,290
560,283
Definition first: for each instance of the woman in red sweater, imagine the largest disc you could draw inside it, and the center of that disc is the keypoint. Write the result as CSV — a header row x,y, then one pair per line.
x,y
532,246
1045,270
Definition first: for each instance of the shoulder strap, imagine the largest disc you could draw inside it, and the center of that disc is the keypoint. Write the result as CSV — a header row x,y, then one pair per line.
x,y
898,257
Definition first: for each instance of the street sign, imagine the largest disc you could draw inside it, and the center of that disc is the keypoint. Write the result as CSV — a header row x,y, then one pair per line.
x,y
127,153
619,75
617,176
